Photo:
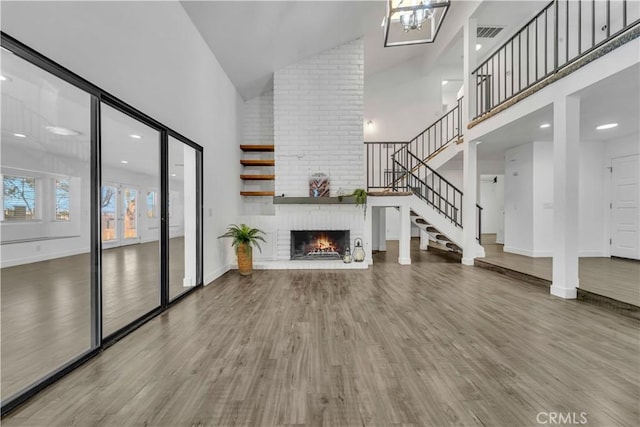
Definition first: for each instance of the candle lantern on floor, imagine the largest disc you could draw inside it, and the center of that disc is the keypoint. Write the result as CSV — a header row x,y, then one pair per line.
x,y
347,256
358,251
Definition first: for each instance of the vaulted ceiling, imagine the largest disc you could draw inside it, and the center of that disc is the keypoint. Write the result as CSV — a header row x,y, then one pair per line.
x,y
253,39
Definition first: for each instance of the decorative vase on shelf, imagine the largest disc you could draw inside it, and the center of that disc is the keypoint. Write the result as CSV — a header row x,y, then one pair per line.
x,y
358,251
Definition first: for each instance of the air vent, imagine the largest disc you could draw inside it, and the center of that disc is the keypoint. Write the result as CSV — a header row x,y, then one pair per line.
x,y
488,32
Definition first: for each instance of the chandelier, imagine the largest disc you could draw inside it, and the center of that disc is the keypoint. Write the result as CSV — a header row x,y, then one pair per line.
x,y
410,22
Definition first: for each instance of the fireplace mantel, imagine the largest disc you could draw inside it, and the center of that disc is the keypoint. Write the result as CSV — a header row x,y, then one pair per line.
x,y
346,200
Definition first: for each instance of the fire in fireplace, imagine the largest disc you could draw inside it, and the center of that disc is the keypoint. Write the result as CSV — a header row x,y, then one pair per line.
x,y
319,244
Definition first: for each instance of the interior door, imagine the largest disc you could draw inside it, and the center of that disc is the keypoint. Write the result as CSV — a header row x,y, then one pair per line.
x,y
120,213
129,215
625,212
110,221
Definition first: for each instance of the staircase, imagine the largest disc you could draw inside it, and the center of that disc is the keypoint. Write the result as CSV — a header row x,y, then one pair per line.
x,y
436,204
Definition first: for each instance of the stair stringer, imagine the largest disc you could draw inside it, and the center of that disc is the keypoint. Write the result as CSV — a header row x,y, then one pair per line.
x,y
440,222
442,156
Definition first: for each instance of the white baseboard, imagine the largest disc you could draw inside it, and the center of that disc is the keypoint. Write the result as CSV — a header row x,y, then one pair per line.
x,y
566,293
527,252
593,254
517,251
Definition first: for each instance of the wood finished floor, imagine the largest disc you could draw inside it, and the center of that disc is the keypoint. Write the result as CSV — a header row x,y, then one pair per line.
x,y
610,277
431,344
46,306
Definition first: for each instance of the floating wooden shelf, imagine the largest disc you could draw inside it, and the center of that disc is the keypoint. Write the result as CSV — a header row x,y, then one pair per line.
x,y
260,148
263,162
257,193
258,177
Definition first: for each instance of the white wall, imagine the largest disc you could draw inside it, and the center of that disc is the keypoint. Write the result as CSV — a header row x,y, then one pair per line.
x,y
403,101
593,214
150,55
542,198
318,105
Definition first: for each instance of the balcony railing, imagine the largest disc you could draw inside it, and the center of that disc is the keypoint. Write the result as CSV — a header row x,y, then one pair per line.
x,y
380,164
563,32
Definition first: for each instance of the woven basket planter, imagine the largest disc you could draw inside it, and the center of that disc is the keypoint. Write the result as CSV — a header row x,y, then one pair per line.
x,y
245,260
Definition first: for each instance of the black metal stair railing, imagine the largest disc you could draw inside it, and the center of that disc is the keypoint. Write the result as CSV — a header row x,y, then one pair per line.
x,y
440,133
560,34
433,188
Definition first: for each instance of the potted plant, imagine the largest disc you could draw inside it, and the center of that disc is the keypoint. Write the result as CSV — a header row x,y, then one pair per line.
x,y
243,238
360,196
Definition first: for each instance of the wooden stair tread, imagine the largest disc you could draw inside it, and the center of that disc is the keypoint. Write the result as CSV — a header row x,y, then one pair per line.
x,y
258,177
257,193
258,162
257,147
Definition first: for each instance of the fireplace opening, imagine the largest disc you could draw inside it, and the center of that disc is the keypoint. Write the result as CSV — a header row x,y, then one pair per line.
x,y
319,244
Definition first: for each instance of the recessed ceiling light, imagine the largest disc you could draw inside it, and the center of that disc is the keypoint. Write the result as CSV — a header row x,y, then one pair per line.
x,y
124,162
607,126
58,130
134,136
444,82
478,46
545,125
20,135
4,78
173,174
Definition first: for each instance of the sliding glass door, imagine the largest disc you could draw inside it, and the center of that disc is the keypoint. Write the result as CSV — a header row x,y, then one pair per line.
x,y
131,255
45,224
100,226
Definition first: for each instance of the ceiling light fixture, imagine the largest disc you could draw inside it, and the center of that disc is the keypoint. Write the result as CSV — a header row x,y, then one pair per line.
x,y
404,18
20,135
124,162
545,125
58,130
4,78
134,136
444,82
478,142
606,126
173,174
478,47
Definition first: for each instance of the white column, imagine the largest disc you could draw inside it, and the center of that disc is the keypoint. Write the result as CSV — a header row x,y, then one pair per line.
x,y
470,61
382,230
375,220
470,190
470,166
404,256
424,240
368,235
566,137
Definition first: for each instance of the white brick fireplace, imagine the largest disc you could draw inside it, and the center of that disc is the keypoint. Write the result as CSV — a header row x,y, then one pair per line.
x,y
317,128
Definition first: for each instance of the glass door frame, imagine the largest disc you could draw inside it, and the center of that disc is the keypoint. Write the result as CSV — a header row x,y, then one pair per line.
x,y
97,97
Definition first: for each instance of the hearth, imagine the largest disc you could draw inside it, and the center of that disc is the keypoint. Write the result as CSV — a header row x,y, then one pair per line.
x,y
319,244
